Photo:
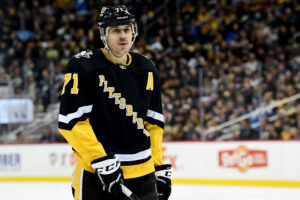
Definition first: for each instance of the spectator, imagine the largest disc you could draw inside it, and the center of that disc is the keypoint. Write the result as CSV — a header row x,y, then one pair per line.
x,y
190,132
288,132
47,135
22,137
247,132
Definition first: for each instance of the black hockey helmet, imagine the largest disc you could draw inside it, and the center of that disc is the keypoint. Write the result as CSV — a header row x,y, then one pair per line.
x,y
115,16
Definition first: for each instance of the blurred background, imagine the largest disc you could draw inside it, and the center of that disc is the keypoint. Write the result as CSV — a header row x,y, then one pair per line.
x,y
230,76
230,69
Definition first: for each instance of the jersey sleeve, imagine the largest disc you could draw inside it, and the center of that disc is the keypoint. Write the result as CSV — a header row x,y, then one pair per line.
x,y
154,122
75,108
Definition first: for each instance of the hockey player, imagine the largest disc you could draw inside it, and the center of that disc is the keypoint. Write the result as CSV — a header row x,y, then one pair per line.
x,y
111,115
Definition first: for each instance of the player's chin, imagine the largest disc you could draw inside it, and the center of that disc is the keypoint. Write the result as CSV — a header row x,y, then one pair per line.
x,y
121,52
124,48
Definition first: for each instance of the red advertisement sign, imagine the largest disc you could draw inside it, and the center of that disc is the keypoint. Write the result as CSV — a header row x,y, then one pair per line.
x,y
168,158
64,159
243,158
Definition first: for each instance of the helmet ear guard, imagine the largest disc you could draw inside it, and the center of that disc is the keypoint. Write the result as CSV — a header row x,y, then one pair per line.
x,y
115,16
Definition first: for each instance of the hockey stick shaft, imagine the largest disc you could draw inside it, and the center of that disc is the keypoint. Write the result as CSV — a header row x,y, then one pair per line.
x,y
128,193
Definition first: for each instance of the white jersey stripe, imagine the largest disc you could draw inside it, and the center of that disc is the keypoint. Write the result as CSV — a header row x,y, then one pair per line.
x,y
82,110
133,157
155,115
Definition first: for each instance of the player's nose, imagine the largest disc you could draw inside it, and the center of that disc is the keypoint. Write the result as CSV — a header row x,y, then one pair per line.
x,y
122,34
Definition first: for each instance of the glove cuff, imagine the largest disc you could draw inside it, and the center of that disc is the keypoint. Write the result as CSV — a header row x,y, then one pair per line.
x,y
106,165
163,167
164,171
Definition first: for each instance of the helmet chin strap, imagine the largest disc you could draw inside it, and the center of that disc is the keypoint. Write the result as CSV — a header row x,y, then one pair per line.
x,y
105,44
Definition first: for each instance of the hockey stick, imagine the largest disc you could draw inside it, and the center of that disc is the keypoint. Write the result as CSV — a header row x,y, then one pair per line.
x,y
128,193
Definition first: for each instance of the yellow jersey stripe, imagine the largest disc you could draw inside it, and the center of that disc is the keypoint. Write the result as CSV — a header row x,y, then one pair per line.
x,y
82,138
129,59
134,171
156,134
77,181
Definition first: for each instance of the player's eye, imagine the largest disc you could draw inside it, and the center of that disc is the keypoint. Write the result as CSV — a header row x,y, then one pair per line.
x,y
126,30
116,30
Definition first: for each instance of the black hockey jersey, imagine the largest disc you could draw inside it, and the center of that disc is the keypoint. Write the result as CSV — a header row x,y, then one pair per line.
x,y
113,108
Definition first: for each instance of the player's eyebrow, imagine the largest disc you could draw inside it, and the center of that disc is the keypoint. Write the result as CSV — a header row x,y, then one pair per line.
x,y
120,27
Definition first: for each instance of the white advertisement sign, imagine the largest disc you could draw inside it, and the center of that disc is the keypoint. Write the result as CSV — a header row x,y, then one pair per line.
x,y
36,160
4,91
250,161
235,160
16,111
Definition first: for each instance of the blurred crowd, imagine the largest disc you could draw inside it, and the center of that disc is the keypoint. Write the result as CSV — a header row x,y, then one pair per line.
x,y
243,55
218,60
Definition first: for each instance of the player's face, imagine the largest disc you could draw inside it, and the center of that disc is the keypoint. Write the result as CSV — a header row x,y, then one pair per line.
x,y
119,40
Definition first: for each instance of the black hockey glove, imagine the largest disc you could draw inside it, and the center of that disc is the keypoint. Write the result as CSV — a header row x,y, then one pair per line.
x,y
109,173
163,175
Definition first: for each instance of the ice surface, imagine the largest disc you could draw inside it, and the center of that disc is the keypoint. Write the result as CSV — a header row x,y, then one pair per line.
x,y
62,191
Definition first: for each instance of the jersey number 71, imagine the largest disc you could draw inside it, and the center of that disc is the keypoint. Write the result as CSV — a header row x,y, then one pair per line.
x,y
75,88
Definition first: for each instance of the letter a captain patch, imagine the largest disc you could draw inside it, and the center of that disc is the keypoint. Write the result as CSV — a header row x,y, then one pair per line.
x,y
150,81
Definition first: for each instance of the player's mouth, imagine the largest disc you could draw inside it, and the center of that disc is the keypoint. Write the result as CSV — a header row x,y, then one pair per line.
x,y
123,43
